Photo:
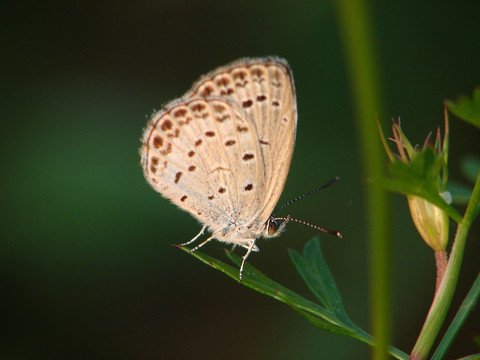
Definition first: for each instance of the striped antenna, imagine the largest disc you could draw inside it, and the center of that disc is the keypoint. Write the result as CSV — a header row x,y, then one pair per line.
x,y
328,231
288,218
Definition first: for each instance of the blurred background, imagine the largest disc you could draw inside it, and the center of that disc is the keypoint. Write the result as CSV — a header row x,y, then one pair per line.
x,y
87,266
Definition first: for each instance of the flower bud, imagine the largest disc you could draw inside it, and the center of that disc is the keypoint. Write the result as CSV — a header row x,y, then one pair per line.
x,y
430,221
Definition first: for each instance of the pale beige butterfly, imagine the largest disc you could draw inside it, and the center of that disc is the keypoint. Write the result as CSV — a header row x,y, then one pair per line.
x,y
222,151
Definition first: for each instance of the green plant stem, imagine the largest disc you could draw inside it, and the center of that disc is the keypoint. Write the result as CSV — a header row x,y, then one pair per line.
x,y
354,25
467,306
444,294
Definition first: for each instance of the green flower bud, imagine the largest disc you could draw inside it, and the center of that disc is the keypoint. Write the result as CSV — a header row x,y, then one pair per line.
x,y
430,221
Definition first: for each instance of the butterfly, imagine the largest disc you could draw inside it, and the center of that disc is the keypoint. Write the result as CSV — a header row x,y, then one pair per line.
x,y
222,151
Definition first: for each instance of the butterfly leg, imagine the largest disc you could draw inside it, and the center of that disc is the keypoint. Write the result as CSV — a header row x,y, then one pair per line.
x,y
250,248
203,243
195,238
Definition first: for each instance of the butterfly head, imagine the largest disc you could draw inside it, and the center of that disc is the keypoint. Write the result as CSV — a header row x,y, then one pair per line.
x,y
275,226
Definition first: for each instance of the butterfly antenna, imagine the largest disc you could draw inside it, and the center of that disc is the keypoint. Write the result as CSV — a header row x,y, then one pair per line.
x,y
331,182
328,231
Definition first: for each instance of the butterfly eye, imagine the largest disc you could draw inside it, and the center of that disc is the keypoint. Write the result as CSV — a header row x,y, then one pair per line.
x,y
272,227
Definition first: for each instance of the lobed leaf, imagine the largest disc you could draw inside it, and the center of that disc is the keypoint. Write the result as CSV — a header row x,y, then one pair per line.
x,y
420,177
316,274
466,108
313,268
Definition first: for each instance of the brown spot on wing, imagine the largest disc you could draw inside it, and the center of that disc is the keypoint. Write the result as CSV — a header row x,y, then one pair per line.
x,y
257,72
241,84
223,81
157,142
239,74
166,125
219,108
180,113
206,91
229,91
222,118
174,134
167,150
178,175
198,107
247,103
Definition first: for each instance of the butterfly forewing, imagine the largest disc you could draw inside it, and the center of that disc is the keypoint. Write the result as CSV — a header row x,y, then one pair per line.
x,y
264,90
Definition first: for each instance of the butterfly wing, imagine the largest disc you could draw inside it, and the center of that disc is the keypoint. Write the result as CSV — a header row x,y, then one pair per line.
x,y
264,90
193,152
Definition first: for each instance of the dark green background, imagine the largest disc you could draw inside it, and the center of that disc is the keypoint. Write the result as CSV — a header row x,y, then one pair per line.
x,y
87,268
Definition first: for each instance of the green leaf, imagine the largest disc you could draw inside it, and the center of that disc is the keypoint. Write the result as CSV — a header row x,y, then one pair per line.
x,y
258,281
465,309
420,177
317,315
466,108
425,165
317,276
471,357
